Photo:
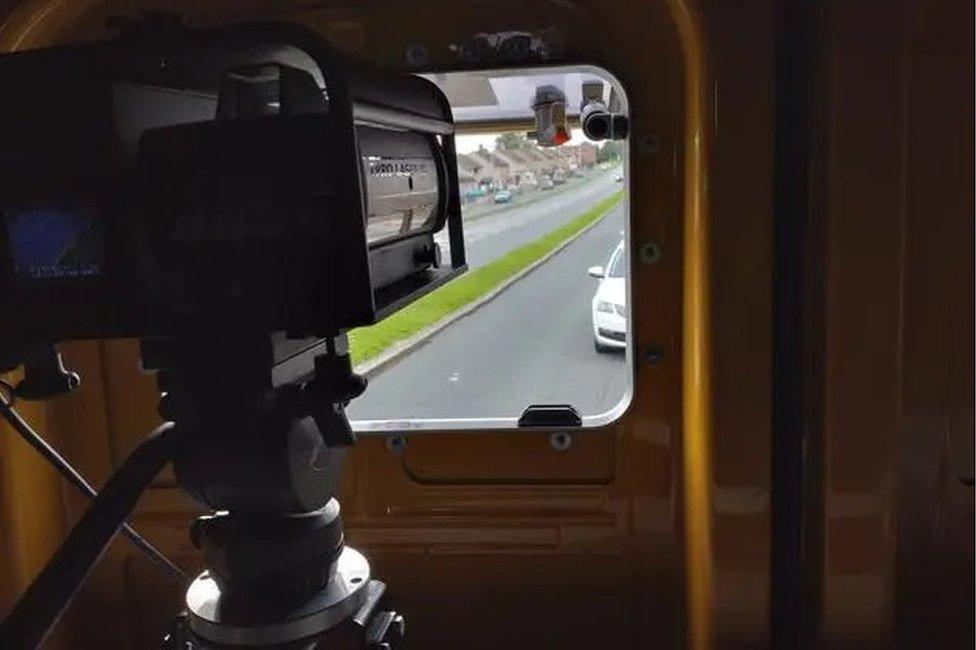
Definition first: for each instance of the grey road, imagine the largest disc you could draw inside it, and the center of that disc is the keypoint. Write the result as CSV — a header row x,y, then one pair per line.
x,y
491,236
532,344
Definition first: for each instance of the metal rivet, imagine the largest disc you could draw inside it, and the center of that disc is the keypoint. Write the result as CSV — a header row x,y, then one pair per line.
x,y
653,354
418,55
396,444
648,143
649,252
560,440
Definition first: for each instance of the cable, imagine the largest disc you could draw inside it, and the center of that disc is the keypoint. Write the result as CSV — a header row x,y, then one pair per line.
x,y
67,471
41,605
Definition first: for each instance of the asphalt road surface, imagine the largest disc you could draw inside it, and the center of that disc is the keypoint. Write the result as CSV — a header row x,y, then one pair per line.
x,y
493,235
533,344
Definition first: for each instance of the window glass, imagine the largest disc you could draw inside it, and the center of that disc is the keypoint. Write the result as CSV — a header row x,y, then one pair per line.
x,y
531,322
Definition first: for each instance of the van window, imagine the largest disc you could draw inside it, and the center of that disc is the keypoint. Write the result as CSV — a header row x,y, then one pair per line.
x,y
530,323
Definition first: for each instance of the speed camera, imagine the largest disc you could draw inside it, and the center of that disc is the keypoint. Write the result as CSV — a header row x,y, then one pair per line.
x,y
243,178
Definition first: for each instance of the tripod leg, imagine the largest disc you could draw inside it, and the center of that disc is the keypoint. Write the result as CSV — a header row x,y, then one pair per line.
x,y
41,605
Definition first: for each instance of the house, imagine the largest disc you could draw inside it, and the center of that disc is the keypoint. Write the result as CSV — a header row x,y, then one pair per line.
x,y
568,156
477,170
467,184
586,154
497,170
554,160
537,162
518,165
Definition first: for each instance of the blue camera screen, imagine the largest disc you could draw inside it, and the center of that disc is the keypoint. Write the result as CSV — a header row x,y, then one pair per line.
x,y
55,242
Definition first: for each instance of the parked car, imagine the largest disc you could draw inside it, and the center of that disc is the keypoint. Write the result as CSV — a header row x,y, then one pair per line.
x,y
609,305
503,196
546,183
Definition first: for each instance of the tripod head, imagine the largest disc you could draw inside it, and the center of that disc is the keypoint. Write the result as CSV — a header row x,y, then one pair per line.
x,y
252,446
265,459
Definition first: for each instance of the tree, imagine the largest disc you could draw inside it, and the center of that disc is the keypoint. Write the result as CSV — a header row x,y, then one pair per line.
x,y
609,151
511,141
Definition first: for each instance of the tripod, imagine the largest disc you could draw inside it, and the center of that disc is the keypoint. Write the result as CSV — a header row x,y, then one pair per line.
x,y
262,454
264,459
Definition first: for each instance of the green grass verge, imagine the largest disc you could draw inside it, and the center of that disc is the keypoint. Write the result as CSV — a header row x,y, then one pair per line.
x,y
367,342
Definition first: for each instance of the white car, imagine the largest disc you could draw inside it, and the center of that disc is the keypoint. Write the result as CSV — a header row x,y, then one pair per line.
x,y
610,303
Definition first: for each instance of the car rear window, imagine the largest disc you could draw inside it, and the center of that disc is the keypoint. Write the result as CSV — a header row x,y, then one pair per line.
x,y
616,265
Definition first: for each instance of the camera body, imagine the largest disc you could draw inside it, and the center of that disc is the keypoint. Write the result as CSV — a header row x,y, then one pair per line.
x,y
244,178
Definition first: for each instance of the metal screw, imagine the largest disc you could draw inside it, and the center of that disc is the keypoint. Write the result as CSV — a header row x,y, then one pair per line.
x,y
648,143
653,354
649,253
560,440
418,55
396,444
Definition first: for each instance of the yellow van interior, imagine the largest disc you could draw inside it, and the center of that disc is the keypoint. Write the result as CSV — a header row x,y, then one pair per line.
x,y
793,463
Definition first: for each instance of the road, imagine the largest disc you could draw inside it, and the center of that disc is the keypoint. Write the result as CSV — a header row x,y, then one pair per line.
x,y
532,344
490,236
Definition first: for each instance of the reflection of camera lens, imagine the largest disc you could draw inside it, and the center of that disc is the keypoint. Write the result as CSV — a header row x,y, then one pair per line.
x,y
596,121
597,126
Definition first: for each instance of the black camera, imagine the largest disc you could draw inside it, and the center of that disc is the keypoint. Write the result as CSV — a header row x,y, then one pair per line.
x,y
245,178
235,197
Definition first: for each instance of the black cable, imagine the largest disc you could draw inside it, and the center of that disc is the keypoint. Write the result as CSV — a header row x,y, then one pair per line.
x,y
41,605
42,447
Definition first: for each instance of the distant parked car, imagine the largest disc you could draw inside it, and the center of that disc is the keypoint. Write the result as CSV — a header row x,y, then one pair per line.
x,y
503,196
546,183
619,178
609,306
